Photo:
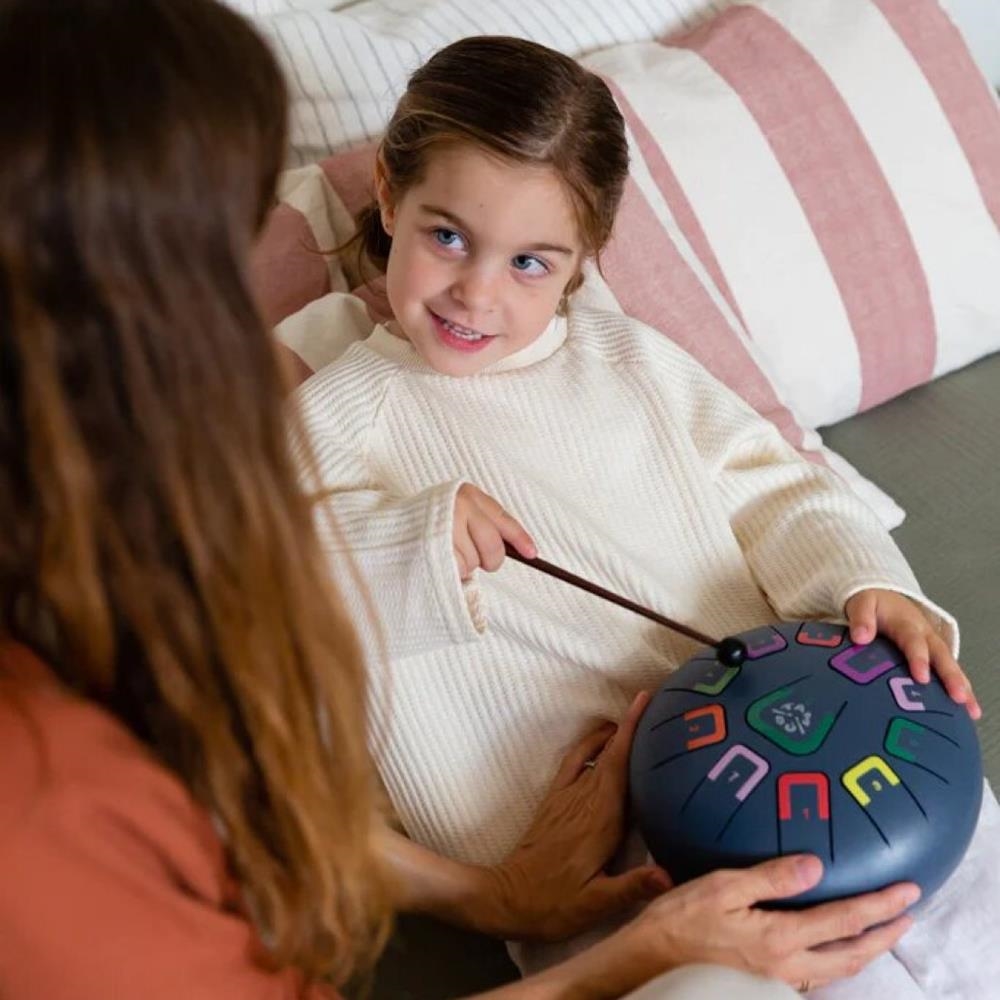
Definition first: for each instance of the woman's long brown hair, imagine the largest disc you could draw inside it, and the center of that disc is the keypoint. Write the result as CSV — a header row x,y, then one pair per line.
x,y
156,547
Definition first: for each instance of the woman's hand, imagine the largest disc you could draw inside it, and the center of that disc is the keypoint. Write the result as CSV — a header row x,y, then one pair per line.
x,y
715,919
552,885
870,612
480,530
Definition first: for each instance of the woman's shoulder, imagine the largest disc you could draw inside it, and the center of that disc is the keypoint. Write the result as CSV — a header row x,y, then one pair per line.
x,y
64,736
70,769
113,881
48,735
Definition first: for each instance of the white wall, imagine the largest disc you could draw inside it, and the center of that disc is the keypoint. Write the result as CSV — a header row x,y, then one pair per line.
x,y
980,23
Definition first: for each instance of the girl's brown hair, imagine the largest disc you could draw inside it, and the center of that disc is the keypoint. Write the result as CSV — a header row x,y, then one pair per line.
x,y
518,100
157,548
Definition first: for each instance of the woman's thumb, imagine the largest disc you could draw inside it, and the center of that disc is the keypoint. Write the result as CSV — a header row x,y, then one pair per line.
x,y
611,894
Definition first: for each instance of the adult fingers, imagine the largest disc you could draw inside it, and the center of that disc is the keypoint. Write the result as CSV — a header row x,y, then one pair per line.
x,y
848,918
778,878
842,959
586,748
618,747
609,894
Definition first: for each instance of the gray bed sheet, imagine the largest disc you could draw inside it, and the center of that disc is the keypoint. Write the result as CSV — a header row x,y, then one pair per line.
x,y
937,451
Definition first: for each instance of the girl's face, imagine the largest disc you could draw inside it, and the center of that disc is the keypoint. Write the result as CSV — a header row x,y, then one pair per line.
x,y
482,251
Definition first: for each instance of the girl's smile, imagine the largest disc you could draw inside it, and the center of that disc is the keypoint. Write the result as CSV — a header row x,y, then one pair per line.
x,y
459,338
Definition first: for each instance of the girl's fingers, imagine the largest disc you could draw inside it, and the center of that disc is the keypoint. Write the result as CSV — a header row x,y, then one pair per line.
x,y
861,616
974,708
951,674
907,626
466,555
926,650
478,509
510,529
513,532
954,678
915,648
488,542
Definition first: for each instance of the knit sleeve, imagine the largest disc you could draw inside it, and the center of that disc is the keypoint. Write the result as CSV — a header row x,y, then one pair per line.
x,y
401,546
809,541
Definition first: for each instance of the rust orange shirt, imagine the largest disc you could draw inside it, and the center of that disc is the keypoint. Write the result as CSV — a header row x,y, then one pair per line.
x,y
113,882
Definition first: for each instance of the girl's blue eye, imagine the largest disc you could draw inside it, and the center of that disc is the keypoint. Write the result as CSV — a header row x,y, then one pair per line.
x,y
527,264
447,238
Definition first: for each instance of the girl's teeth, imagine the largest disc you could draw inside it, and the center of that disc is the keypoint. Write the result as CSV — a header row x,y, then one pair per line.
x,y
461,331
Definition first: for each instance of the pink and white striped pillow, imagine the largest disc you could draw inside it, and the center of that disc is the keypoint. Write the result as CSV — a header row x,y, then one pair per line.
x,y
832,167
347,61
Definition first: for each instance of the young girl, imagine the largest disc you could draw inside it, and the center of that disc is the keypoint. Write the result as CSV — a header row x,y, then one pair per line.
x,y
492,401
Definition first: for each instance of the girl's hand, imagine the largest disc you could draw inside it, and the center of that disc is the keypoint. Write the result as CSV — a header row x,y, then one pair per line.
x,y
903,621
481,528
553,885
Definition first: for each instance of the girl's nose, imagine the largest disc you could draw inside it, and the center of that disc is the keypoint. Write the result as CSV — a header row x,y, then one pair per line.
x,y
477,290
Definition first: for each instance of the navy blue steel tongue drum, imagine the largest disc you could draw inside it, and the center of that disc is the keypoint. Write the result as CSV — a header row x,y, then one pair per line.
x,y
789,738
810,744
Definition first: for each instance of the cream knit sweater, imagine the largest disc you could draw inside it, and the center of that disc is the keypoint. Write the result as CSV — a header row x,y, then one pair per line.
x,y
629,464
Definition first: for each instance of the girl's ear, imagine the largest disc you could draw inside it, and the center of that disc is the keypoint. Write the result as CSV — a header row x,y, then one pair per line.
x,y
383,195
571,286
574,283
